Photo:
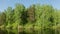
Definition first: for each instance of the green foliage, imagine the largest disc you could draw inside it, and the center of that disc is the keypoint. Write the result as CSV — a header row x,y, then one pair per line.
x,y
36,19
2,18
18,12
8,16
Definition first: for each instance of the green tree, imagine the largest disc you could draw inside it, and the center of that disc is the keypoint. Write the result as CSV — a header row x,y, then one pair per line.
x,y
2,18
8,16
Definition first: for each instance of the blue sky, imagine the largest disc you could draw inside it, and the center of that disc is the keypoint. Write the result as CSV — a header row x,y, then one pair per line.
x,y
5,3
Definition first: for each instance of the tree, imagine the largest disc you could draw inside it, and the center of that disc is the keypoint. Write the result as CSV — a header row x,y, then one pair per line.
x,y
2,18
31,13
17,13
8,13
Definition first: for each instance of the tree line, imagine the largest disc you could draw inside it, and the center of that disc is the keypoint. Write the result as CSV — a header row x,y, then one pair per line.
x,y
41,19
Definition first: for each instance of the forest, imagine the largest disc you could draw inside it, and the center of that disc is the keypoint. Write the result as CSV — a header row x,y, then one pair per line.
x,y
36,19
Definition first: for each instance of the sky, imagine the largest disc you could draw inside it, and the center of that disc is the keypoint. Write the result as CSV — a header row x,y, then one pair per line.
x,y
5,3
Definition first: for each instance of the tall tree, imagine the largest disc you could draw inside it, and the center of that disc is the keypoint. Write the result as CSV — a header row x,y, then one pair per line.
x,y
8,16
2,18
31,13
17,13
